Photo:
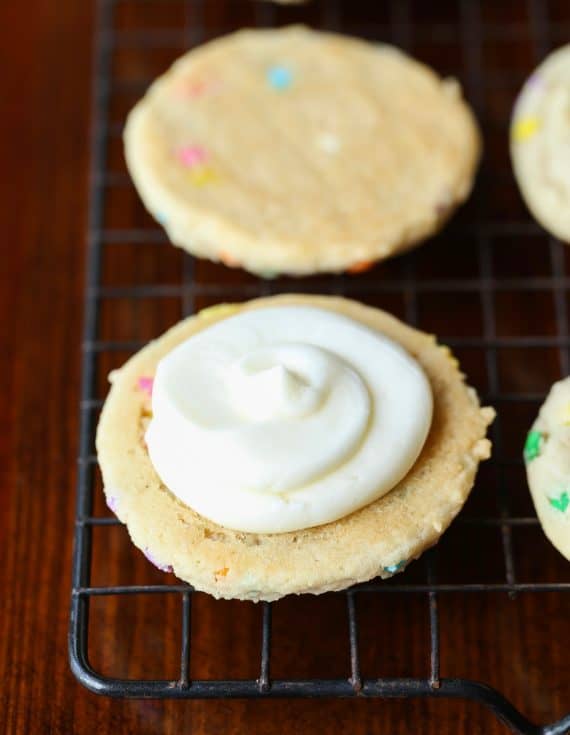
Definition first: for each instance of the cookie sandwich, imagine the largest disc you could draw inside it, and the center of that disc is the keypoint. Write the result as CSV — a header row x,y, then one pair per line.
x,y
289,444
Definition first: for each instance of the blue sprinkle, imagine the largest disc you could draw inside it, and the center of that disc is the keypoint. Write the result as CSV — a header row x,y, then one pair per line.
x,y
393,568
280,77
160,217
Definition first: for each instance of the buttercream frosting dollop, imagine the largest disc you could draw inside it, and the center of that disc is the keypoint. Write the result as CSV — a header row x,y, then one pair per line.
x,y
288,417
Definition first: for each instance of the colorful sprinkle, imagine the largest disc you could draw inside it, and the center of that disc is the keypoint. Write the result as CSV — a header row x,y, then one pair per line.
x,y
449,355
111,501
393,568
196,88
192,155
566,415
360,267
194,158
524,128
152,559
144,384
561,503
444,204
193,88
328,143
229,260
160,217
535,81
280,77
202,176
441,209
218,310
532,445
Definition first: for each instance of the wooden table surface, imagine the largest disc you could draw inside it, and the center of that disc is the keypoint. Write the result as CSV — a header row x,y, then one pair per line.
x,y
519,646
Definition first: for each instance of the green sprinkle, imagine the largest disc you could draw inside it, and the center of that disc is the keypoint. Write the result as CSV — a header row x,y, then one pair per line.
x,y
393,568
561,503
532,445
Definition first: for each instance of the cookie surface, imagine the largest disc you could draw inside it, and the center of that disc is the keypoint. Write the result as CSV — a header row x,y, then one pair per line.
x,y
540,143
547,459
295,151
379,539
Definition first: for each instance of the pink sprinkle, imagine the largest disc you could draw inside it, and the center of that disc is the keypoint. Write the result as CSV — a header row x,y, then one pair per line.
x,y
535,81
192,155
196,87
149,555
442,208
111,503
145,384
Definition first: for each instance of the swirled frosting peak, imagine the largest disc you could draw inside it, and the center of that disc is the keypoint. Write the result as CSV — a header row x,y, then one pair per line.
x,y
283,418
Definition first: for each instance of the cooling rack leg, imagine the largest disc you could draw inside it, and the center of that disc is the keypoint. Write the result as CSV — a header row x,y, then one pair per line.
x,y
185,647
264,682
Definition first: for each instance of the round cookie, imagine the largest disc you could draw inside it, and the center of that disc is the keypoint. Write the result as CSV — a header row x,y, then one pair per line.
x,y
540,143
296,151
380,539
547,459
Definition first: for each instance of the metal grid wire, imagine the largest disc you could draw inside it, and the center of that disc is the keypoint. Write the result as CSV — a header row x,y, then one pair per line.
x,y
191,291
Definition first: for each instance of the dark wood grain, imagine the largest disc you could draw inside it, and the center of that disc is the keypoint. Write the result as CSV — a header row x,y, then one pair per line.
x,y
517,645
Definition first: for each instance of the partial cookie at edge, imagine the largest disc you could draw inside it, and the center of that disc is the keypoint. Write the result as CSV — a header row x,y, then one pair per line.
x,y
547,459
540,143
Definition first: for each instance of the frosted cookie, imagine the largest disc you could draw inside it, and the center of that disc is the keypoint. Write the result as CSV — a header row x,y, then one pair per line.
x,y
295,151
285,459
547,458
540,143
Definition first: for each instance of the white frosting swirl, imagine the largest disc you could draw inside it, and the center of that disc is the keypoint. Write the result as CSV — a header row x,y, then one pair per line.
x,y
286,417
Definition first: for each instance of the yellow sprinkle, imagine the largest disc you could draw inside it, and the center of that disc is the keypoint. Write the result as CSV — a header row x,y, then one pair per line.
x,y
566,415
218,310
524,128
450,356
202,175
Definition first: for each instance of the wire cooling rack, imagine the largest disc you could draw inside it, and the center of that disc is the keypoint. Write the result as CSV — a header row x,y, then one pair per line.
x,y
493,286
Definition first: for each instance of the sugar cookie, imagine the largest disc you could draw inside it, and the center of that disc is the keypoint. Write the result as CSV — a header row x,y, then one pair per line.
x,y
380,538
547,459
296,151
540,143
